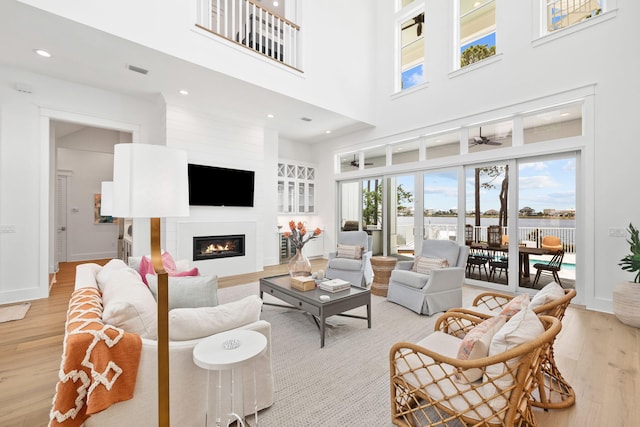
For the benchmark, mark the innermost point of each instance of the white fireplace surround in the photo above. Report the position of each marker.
(220, 266)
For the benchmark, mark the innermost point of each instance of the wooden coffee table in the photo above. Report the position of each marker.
(309, 301)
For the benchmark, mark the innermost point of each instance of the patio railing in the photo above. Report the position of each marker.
(529, 236)
(247, 24)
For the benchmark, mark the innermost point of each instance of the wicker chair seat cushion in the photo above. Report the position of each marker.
(549, 293)
(345, 264)
(437, 380)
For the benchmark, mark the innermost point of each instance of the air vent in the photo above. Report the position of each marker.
(137, 69)
(24, 88)
(306, 119)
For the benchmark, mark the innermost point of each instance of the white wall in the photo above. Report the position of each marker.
(26, 169)
(214, 142)
(525, 74)
(335, 64)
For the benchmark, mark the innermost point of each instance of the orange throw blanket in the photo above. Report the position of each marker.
(99, 362)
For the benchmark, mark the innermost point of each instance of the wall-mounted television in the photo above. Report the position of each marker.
(214, 186)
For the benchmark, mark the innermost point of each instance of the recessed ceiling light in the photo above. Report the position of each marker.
(276, 4)
(565, 114)
(42, 53)
(327, 131)
(270, 116)
(184, 92)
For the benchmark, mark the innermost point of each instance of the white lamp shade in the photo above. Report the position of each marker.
(149, 181)
(106, 198)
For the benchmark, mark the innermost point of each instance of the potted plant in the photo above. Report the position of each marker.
(626, 295)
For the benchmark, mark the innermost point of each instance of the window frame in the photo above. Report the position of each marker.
(609, 11)
(402, 15)
(457, 34)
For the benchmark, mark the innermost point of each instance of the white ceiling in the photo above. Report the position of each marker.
(91, 57)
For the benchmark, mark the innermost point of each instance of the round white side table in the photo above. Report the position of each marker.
(228, 353)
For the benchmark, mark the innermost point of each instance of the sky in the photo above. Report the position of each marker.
(549, 184)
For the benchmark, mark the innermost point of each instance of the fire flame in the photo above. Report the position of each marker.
(218, 248)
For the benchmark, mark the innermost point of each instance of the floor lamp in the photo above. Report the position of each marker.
(150, 181)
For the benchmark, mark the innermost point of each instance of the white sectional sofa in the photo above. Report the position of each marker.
(188, 382)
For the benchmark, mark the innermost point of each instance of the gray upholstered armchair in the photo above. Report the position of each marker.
(439, 290)
(356, 271)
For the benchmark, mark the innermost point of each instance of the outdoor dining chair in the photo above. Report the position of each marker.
(552, 266)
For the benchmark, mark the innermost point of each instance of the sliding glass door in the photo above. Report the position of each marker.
(487, 222)
(547, 223)
(440, 200)
(401, 208)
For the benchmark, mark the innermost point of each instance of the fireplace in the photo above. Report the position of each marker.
(214, 247)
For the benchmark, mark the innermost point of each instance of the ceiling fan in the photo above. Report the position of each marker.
(483, 140)
(418, 20)
(356, 163)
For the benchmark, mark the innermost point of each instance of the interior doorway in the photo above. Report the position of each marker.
(83, 160)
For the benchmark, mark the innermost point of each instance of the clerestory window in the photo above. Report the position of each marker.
(564, 13)
(477, 30)
(411, 28)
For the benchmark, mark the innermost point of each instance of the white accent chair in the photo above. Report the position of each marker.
(430, 293)
(356, 271)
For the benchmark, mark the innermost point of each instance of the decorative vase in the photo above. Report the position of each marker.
(299, 265)
(626, 303)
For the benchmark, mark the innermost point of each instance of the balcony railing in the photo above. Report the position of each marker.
(251, 26)
(563, 13)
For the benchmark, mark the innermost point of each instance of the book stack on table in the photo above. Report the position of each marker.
(334, 285)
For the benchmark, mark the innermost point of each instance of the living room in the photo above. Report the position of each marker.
(367, 106)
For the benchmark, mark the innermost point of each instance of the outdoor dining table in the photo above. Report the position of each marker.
(523, 252)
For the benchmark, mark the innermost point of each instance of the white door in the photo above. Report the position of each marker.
(61, 220)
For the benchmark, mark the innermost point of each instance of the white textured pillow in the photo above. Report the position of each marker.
(102, 277)
(129, 305)
(188, 291)
(193, 323)
(549, 293)
(524, 326)
(424, 264)
(349, 251)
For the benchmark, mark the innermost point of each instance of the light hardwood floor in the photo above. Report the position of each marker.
(599, 357)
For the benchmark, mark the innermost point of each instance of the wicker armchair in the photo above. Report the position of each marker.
(554, 392)
(425, 383)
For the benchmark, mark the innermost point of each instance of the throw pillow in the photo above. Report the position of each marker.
(515, 305)
(129, 305)
(169, 265)
(102, 277)
(524, 326)
(349, 251)
(424, 265)
(475, 345)
(188, 292)
(549, 293)
(193, 323)
(145, 268)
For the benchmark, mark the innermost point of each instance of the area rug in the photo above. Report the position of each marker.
(347, 381)
(14, 312)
